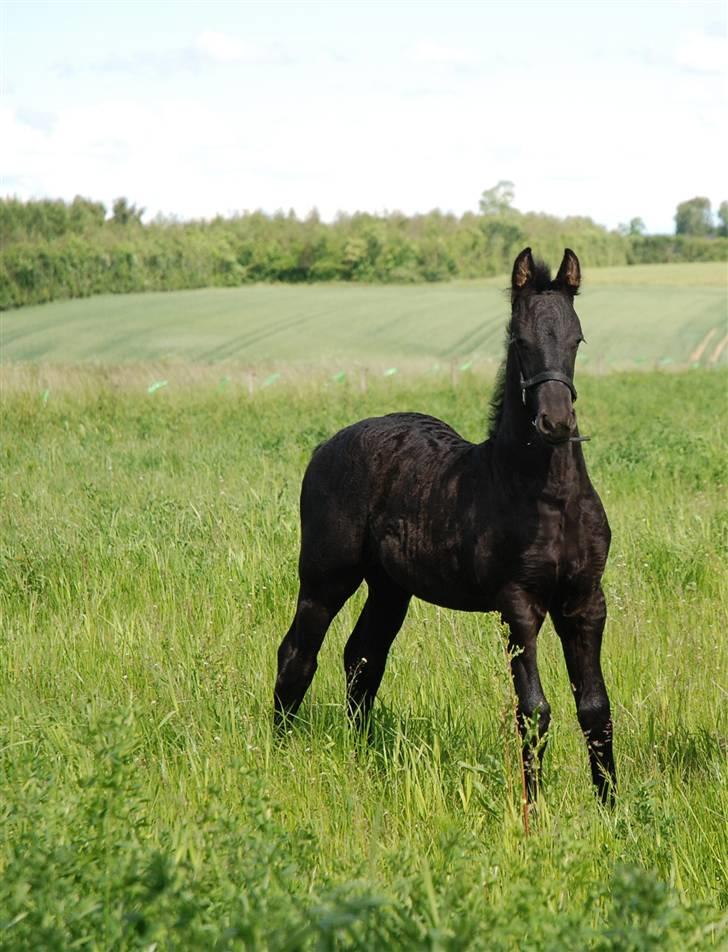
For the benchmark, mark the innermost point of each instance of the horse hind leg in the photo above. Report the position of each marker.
(298, 652)
(365, 654)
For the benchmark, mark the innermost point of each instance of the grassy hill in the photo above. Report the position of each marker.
(651, 314)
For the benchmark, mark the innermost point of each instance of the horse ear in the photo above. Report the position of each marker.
(523, 270)
(569, 277)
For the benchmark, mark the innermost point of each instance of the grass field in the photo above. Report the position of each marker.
(148, 545)
(652, 315)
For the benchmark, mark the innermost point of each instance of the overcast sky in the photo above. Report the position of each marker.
(607, 109)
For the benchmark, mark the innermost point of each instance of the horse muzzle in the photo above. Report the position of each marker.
(555, 431)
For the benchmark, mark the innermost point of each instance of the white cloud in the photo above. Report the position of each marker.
(703, 53)
(222, 48)
(428, 53)
(635, 143)
(209, 47)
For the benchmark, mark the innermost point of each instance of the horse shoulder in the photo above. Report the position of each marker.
(587, 538)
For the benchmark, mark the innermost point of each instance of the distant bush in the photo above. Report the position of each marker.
(33, 221)
(658, 249)
(51, 250)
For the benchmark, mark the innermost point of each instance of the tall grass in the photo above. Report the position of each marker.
(148, 549)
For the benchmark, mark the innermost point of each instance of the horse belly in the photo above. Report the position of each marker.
(441, 572)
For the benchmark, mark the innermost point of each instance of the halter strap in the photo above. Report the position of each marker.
(543, 377)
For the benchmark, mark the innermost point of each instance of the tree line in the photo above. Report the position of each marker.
(54, 249)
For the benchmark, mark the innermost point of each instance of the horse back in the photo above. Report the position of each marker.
(407, 494)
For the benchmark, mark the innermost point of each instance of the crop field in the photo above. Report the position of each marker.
(638, 317)
(148, 546)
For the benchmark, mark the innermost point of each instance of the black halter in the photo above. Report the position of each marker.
(543, 377)
(527, 383)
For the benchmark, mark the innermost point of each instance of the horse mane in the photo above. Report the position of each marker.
(540, 282)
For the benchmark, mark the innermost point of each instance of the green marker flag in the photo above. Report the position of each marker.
(224, 381)
(157, 385)
(390, 372)
(467, 365)
(269, 381)
(340, 377)
(44, 396)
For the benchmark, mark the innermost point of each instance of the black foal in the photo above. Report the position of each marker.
(511, 525)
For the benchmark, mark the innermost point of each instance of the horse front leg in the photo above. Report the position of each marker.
(524, 618)
(579, 622)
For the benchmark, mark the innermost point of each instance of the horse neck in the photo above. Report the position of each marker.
(521, 452)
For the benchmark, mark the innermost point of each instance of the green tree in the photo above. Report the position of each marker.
(125, 213)
(694, 217)
(497, 200)
(723, 219)
(85, 215)
(635, 227)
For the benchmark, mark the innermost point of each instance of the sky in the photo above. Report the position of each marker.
(613, 109)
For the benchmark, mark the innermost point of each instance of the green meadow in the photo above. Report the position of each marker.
(642, 316)
(148, 547)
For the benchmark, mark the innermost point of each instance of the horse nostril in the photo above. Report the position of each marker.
(546, 425)
(554, 431)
